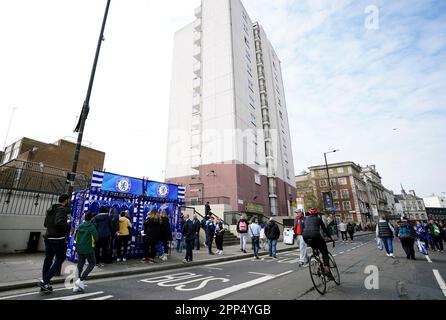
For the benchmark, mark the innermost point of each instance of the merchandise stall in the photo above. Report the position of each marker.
(120, 193)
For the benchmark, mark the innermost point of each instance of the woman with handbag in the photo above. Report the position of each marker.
(254, 232)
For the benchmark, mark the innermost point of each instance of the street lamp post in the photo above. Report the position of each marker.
(85, 108)
(328, 174)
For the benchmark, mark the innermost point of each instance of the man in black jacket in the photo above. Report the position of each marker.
(57, 224)
(272, 232)
(197, 232)
(189, 236)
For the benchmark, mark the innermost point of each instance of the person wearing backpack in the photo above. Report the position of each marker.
(210, 227)
(86, 237)
(437, 235)
(350, 229)
(406, 233)
(242, 229)
(57, 228)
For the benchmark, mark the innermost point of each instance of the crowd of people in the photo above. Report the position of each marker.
(427, 234)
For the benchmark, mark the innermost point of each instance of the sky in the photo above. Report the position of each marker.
(365, 77)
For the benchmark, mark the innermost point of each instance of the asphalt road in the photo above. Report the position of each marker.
(274, 279)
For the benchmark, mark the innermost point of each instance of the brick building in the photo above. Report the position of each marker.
(35, 165)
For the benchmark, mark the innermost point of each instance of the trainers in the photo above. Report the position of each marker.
(220, 252)
(45, 287)
(391, 255)
(124, 259)
(184, 261)
(80, 284)
(118, 260)
(244, 251)
(164, 258)
(257, 257)
(211, 253)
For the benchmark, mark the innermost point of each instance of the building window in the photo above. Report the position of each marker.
(347, 205)
(334, 194)
(257, 179)
(333, 182)
(248, 56)
(323, 183)
(251, 85)
(340, 170)
(345, 194)
(337, 205)
(246, 40)
(321, 173)
(342, 181)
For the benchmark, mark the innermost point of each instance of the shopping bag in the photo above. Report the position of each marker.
(379, 244)
(421, 247)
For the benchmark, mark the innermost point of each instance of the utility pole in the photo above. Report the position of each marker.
(85, 109)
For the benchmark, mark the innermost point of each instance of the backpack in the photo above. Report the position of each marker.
(243, 227)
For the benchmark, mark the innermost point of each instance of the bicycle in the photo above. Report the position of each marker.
(317, 274)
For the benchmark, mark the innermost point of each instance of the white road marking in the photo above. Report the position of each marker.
(241, 286)
(342, 252)
(440, 281)
(102, 298)
(227, 262)
(77, 296)
(428, 259)
(261, 274)
(31, 293)
(206, 267)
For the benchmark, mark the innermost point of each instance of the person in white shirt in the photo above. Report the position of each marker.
(343, 229)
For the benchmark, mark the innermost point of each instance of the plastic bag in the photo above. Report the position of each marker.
(379, 244)
(421, 247)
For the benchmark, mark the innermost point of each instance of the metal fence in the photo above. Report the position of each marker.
(212, 200)
(30, 176)
(22, 202)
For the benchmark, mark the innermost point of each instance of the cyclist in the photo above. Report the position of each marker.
(313, 238)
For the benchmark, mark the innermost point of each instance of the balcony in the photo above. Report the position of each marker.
(198, 12)
(197, 38)
(197, 53)
(197, 68)
(197, 25)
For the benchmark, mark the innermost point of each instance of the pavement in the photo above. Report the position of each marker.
(266, 279)
(19, 271)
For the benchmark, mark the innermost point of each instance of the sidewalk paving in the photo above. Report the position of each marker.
(18, 271)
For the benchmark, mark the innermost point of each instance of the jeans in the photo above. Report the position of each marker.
(211, 239)
(102, 246)
(197, 241)
(122, 241)
(243, 237)
(57, 249)
(189, 249)
(256, 245)
(351, 235)
(388, 244)
(272, 247)
(180, 245)
(302, 249)
(344, 235)
(81, 262)
(438, 242)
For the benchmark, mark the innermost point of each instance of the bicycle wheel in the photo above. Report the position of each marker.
(334, 270)
(316, 274)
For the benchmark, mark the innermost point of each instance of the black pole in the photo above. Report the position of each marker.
(329, 182)
(85, 108)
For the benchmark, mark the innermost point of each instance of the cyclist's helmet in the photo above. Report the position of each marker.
(313, 211)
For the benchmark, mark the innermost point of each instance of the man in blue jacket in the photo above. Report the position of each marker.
(104, 226)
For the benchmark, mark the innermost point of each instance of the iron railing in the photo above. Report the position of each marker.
(212, 200)
(22, 202)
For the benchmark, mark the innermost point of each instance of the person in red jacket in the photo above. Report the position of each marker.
(298, 228)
